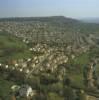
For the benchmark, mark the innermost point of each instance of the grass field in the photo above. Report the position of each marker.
(12, 48)
(5, 88)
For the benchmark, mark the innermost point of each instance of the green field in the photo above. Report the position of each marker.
(5, 88)
(12, 47)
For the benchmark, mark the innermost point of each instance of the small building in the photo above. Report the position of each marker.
(25, 91)
(0, 64)
(6, 66)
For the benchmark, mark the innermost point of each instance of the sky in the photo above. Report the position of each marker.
(34, 8)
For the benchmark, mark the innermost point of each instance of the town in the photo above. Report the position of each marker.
(43, 60)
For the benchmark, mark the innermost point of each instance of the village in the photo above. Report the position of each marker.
(45, 59)
(54, 63)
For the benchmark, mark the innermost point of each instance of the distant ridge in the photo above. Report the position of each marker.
(43, 19)
(91, 20)
(53, 29)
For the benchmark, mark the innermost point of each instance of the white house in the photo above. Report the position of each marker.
(27, 71)
(31, 49)
(0, 64)
(36, 61)
(24, 65)
(29, 59)
(21, 70)
(15, 88)
(26, 91)
(33, 65)
(6, 66)
(16, 65)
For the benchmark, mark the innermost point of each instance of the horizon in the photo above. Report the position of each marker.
(44, 8)
(83, 19)
(36, 17)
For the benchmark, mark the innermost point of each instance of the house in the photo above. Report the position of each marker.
(6, 66)
(21, 70)
(24, 65)
(23, 91)
(27, 71)
(15, 88)
(29, 59)
(0, 64)
(16, 65)
(31, 49)
(33, 65)
(26, 91)
(13, 68)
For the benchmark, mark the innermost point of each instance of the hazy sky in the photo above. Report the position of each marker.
(69, 8)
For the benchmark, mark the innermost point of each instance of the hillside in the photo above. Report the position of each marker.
(91, 20)
(12, 47)
(48, 54)
(60, 19)
(57, 29)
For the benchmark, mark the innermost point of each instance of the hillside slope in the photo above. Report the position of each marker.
(56, 29)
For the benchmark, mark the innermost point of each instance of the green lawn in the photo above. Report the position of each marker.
(82, 59)
(5, 88)
(12, 47)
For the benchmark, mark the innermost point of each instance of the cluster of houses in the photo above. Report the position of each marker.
(38, 31)
(44, 58)
(41, 32)
(29, 30)
(50, 59)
